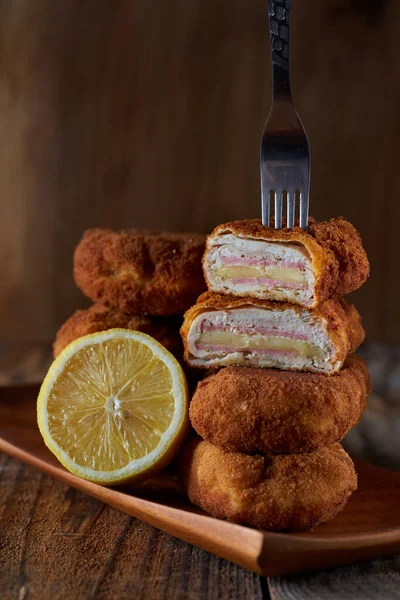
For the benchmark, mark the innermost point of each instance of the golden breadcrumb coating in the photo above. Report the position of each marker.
(343, 320)
(339, 260)
(141, 273)
(242, 409)
(100, 318)
(273, 492)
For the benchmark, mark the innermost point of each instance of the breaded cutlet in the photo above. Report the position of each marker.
(272, 492)
(264, 410)
(100, 318)
(306, 267)
(157, 274)
(223, 330)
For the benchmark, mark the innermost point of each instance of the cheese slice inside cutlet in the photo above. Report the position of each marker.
(261, 337)
(259, 269)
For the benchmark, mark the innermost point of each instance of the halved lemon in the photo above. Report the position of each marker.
(114, 407)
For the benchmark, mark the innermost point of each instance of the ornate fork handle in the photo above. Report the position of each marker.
(279, 18)
(279, 23)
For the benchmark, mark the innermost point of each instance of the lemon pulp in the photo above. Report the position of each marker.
(112, 403)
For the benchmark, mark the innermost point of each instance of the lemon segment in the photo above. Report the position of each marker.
(114, 407)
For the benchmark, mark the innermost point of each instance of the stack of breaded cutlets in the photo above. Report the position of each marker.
(290, 386)
(137, 280)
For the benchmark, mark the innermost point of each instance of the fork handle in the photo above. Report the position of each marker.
(279, 27)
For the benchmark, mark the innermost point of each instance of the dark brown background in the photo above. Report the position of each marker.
(148, 113)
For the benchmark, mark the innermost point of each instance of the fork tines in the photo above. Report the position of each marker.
(288, 200)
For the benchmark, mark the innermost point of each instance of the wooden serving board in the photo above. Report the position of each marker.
(368, 527)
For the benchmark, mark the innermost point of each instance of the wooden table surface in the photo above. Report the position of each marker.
(58, 543)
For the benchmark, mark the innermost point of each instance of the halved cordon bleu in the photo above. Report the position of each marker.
(306, 267)
(221, 330)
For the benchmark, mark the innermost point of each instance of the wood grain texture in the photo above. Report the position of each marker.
(375, 512)
(58, 543)
(145, 113)
(365, 581)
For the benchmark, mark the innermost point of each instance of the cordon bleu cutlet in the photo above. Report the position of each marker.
(271, 492)
(306, 267)
(100, 318)
(222, 331)
(280, 412)
(139, 272)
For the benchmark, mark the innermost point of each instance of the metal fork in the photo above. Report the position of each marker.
(285, 154)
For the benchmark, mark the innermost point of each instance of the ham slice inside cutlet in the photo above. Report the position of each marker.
(261, 337)
(260, 269)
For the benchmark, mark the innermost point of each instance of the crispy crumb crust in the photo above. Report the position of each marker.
(273, 492)
(140, 273)
(343, 322)
(100, 318)
(242, 409)
(339, 261)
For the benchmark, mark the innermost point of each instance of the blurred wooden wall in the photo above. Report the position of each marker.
(148, 113)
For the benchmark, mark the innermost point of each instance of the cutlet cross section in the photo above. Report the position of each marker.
(222, 331)
(247, 259)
